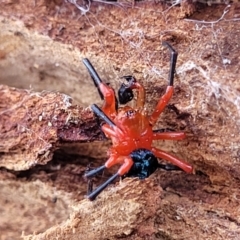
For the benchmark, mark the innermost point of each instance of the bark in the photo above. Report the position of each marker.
(33, 125)
(47, 136)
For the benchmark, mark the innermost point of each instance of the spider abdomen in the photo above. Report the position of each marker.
(145, 163)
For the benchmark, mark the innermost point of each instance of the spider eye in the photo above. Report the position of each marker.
(130, 113)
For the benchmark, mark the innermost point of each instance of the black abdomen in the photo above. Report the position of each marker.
(145, 163)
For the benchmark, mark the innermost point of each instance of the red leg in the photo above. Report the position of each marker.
(178, 162)
(106, 92)
(128, 162)
(168, 135)
(112, 131)
(109, 105)
(161, 105)
(109, 131)
(114, 159)
(169, 92)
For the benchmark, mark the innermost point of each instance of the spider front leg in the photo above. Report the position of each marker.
(107, 93)
(169, 91)
(176, 161)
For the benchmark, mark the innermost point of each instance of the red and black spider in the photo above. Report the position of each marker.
(130, 129)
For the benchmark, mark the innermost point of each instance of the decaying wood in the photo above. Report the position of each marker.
(30, 205)
(119, 40)
(32, 126)
(120, 211)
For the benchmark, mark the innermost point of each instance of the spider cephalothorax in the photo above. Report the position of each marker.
(131, 129)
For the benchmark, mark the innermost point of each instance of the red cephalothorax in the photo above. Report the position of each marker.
(131, 129)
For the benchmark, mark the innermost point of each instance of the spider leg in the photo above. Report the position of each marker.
(125, 93)
(127, 164)
(173, 62)
(168, 135)
(107, 93)
(98, 190)
(176, 161)
(169, 91)
(113, 159)
(111, 129)
(101, 114)
(94, 172)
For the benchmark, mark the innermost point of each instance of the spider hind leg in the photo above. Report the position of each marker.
(174, 160)
(126, 165)
(145, 164)
(92, 173)
(99, 189)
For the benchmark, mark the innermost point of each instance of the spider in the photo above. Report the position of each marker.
(131, 129)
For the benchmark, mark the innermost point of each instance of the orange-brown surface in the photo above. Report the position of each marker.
(123, 39)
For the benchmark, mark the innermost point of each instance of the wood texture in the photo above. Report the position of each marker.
(41, 46)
